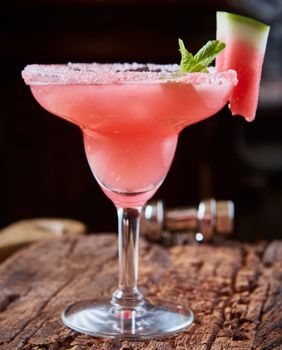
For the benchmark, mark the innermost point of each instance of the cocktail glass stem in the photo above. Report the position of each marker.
(127, 315)
(127, 295)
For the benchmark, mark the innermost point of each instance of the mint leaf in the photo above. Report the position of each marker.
(186, 58)
(203, 57)
(207, 54)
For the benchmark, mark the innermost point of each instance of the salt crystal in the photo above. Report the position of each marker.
(119, 73)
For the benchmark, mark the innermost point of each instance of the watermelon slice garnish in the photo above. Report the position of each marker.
(246, 41)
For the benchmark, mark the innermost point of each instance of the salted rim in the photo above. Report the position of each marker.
(119, 73)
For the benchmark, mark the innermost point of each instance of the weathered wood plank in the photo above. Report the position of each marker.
(233, 289)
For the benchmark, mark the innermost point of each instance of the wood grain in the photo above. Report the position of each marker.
(234, 290)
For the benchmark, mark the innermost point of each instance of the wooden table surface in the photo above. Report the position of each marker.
(233, 289)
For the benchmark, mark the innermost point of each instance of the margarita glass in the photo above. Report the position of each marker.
(130, 116)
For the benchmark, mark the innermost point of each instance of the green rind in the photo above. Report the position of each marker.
(243, 19)
(231, 26)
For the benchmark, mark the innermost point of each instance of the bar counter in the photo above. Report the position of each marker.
(234, 289)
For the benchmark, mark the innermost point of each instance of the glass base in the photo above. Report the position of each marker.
(102, 319)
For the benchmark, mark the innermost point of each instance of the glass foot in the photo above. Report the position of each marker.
(101, 319)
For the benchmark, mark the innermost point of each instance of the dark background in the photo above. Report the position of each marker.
(43, 167)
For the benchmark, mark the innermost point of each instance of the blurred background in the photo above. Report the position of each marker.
(44, 171)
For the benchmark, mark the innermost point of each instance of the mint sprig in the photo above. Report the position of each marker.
(203, 57)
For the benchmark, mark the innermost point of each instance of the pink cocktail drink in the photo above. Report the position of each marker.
(130, 118)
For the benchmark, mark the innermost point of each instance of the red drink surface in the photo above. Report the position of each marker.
(131, 121)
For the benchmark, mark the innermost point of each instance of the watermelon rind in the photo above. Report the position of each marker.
(244, 19)
(242, 28)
